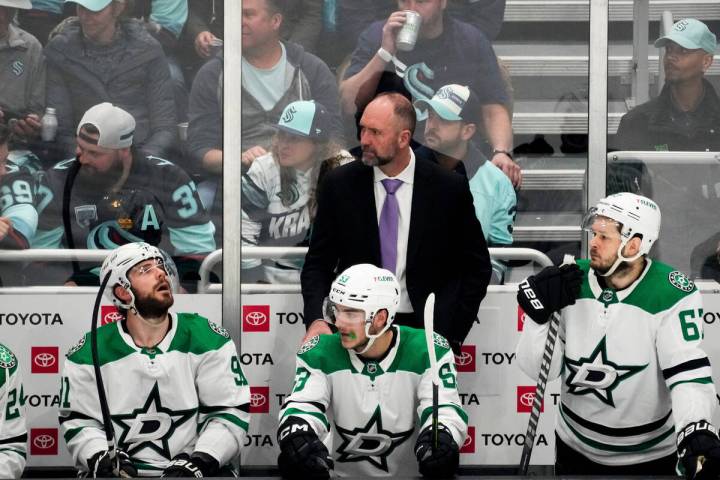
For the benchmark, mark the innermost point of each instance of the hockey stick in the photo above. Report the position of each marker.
(554, 325)
(107, 422)
(429, 320)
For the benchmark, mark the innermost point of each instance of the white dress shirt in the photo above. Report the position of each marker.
(404, 198)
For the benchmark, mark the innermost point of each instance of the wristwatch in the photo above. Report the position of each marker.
(384, 54)
(498, 150)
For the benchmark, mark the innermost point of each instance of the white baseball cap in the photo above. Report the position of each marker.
(116, 126)
(92, 5)
(23, 4)
(454, 103)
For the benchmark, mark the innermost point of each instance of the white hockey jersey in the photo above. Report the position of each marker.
(631, 366)
(376, 408)
(186, 394)
(13, 432)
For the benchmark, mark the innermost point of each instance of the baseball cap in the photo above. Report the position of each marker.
(24, 4)
(690, 33)
(116, 126)
(305, 118)
(454, 103)
(92, 5)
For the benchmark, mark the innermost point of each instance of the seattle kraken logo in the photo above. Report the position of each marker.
(289, 115)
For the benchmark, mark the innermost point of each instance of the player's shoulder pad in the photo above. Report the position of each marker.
(661, 289)
(583, 264)
(197, 334)
(8, 360)
(414, 338)
(324, 352)
(669, 279)
(78, 346)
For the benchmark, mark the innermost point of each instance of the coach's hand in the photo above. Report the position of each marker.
(551, 290)
(442, 462)
(699, 451)
(101, 465)
(302, 454)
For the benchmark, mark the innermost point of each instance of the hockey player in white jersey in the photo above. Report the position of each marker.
(372, 380)
(13, 432)
(636, 388)
(176, 394)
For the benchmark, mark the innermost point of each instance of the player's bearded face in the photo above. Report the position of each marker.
(604, 244)
(153, 292)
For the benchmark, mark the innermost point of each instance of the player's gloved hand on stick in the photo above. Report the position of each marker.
(441, 463)
(699, 451)
(197, 465)
(551, 290)
(101, 465)
(302, 454)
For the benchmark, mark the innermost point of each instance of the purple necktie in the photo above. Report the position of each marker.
(388, 226)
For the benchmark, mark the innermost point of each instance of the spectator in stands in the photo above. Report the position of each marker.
(98, 57)
(22, 79)
(112, 194)
(447, 51)
(278, 190)
(276, 73)
(44, 16)
(204, 135)
(204, 27)
(18, 217)
(303, 23)
(405, 214)
(686, 114)
(449, 129)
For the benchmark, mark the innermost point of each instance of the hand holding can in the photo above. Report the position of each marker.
(408, 34)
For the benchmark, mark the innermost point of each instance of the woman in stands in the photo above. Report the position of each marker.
(278, 189)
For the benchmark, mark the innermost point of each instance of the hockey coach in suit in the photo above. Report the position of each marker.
(403, 214)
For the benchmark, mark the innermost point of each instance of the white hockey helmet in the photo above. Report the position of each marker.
(122, 259)
(635, 215)
(368, 288)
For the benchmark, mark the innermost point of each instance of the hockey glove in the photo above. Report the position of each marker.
(101, 465)
(441, 463)
(699, 451)
(198, 465)
(302, 454)
(551, 290)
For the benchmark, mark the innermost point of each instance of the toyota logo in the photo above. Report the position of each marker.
(527, 399)
(44, 441)
(257, 400)
(465, 358)
(44, 360)
(468, 441)
(255, 318)
(113, 316)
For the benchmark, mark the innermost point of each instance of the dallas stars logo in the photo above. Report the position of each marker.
(370, 443)
(597, 375)
(150, 426)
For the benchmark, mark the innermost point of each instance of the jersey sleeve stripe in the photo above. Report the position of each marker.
(70, 434)
(298, 412)
(220, 408)
(19, 452)
(428, 411)
(704, 380)
(614, 431)
(317, 405)
(74, 416)
(18, 439)
(224, 416)
(685, 367)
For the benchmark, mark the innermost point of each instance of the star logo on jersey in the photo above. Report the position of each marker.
(150, 426)
(597, 375)
(370, 443)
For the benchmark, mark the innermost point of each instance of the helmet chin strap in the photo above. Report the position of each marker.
(371, 338)
(620, 259)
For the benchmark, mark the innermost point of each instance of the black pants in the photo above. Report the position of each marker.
(570, 462)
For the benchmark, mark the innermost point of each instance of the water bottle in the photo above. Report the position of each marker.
(49, 125)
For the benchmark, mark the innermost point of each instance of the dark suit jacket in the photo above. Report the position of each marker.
(446, 253)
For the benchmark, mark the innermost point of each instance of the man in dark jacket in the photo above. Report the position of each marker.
(275, 74)
(686, 114)
(98, 58)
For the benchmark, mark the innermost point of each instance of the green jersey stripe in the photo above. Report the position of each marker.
(297, 411)
(428, 411)
(704, 380)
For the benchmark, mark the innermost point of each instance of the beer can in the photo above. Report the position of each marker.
(408, 34)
